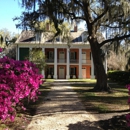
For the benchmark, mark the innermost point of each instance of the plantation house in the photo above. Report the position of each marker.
(63, 60)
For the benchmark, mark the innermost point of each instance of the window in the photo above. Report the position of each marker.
(51, 70)
(72, 55)
(51, 55)
(73, 71)
(57, 39)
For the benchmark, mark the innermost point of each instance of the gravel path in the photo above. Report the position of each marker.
(62, 110)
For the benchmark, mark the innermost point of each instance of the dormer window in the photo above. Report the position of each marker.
(57, 39)
(78, 39)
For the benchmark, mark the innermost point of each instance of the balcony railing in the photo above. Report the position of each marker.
(49, 60)
(61, 60)
(74, 61)
(84, 61)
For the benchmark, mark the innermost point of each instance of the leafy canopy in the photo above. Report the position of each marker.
(111, 17)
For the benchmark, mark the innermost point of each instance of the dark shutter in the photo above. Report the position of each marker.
(75, 71)
(23, 53)
(75, 55)
(47, 55)
(90, 55)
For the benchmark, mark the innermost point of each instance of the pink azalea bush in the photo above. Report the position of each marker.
(128, 115)
(1, 49)
(18, 80)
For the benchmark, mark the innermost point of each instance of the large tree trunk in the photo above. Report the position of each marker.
(101, 84)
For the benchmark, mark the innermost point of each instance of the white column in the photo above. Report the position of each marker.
(55, 64)
(68, 64)
(92, 68)
(43, 71)
(30, 49)
(80, 63)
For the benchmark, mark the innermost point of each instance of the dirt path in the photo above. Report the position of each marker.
(62, 110)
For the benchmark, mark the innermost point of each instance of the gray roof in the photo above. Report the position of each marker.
(30, 37)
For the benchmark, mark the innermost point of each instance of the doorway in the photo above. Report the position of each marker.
(84, 73)
(61, 72)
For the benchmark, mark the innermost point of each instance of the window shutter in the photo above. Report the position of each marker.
(75, 55)
(75, 71)
(23, 53)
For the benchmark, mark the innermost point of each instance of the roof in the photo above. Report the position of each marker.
(47, 37)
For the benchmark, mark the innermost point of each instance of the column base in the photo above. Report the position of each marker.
(43, 74)
(67, 76)
(92, 77)
(80, 77)
(55, 76)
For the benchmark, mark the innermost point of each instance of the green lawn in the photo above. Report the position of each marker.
(102, 101)
(83, 80)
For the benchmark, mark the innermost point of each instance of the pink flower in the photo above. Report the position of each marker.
(1, 50)
(18, 80)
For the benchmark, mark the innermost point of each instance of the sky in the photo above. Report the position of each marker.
(8, 10)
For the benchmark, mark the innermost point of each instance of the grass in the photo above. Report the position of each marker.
(49, 80)
(102, 102)
(83, 80)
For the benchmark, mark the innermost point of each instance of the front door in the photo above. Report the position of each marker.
(61, 72)
(84, 73)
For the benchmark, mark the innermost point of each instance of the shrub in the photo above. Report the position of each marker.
(1, 50)
(19, 80)
(128, 115)
(119, 76)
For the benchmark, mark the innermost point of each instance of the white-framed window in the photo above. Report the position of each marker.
(51, 55)
(61, 52)
(72, 55)
(73, 71)
(51, 70)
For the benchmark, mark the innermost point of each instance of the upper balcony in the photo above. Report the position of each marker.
(49, 60)
(71, 61)
(74, 61)
(84, 61)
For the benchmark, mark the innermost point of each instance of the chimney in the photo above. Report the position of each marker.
(75, 28)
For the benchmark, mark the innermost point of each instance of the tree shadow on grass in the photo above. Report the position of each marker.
(114, 123)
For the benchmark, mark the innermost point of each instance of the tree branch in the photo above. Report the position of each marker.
(94, 11)
(78, 3)
(113, 39)
(101, 15)
(111, 26)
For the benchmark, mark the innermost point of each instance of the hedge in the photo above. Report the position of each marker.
(119, 76)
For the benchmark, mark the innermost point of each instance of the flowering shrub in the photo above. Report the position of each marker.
(128, 115)
(1, 50)
(18, 80)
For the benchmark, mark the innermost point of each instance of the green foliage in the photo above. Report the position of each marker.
(37, 57)
(119, 76)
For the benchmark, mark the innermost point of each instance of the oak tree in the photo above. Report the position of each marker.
(111, 17)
